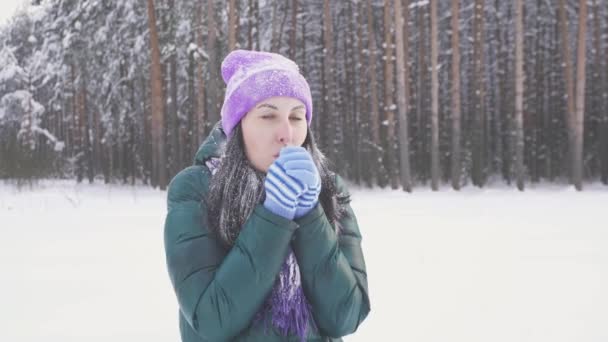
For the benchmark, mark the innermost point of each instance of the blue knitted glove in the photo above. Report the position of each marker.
(308, 201)
(303, 170)
(292, 183)
(282, 191)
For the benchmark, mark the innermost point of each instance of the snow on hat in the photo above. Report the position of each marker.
(252, 76)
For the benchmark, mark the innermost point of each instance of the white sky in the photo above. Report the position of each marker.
(8, 7)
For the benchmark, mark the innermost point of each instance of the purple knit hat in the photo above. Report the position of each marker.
(252, 76)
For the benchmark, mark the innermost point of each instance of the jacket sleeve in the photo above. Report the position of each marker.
(219, 291)
(333, 270)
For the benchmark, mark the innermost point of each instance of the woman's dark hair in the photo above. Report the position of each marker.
(236, 188)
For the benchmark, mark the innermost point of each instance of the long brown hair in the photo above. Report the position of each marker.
(236, 188)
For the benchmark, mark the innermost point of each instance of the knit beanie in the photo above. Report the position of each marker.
(252, 76)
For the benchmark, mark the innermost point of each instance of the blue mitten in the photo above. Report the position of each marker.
(282, 191)
(303, 170)
(292, 183)
(308, 201)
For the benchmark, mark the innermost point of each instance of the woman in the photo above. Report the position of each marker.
(260, 240)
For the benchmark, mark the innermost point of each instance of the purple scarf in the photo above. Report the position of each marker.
(286, 306)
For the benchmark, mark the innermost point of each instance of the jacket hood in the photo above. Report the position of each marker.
(210, 148)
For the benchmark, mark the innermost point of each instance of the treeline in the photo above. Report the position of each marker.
(406, 93)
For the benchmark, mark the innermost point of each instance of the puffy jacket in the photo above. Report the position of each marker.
(219, 290)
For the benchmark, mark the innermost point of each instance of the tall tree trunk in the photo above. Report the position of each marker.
(294, 29)
(303, 64)
(347, 103)
(389, 105)
(351, 63)
(198, 130)
(231, 25)
(96, 138)
(599, 88)
(563, 19)
(547, 114)
(192, 129)
(213, 83)
(363, 99)
(456, 141)
(496, 152)
(77, 128)
(120, 152)
(519, 93)
(420, 138)
(434, 100)
(275, 27)
(353, 67)
(97, 156)
(84, 128)
(603, 150)
(374, 110)
(133, 153)
(253, 27)
(402, 37)
(173, 110)
(110, 158)
(479, 142)
(174, 119)
(329, 80)
(158, 142)
(593, 103)
(62, 125)
(146, 141)
(281, 30)
(552, 131)
(536, 115)
(87, 126)
(580, 96)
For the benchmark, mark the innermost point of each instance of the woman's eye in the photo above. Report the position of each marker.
(267, 116)
(296, 118)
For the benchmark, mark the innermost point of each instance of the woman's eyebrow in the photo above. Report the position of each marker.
(275, 107)
(267, 105)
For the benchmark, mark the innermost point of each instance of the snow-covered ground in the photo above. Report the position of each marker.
(86, 263)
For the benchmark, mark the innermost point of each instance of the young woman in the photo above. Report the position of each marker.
(260, 240)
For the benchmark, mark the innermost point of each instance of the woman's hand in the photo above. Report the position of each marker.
(302, 169)
(292, 183)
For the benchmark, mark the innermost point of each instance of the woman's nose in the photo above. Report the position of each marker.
(285, 132)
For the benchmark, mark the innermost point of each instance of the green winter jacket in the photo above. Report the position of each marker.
(219, 290)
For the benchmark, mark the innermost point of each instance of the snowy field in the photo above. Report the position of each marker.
(86, 263)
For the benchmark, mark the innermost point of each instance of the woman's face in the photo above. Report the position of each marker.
(271, 125)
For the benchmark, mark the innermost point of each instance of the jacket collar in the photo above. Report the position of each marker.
(210, 148)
